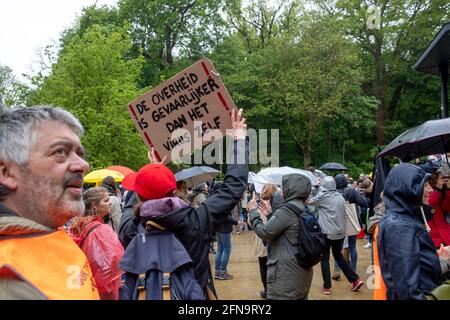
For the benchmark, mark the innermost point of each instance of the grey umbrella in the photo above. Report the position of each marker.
(196, 175)
(431, 137)
(332, 166)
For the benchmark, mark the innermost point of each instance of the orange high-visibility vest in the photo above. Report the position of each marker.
(379, 290)
(50, 262)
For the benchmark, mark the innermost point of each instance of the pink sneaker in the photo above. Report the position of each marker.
(357, 284)
(326, 291)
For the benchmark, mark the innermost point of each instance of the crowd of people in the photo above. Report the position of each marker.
(154, 241)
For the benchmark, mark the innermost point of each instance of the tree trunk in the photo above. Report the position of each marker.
(168, 45)
(306, 156)
(381, 138)
(343, 152)
(329, 142)
(391, 111)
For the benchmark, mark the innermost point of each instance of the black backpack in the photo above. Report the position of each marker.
(311, 240)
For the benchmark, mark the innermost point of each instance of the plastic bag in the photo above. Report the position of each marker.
(104, 252)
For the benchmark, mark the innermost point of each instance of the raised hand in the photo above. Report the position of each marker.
(265, 207)
(153, 158)
(238, 125)
(252, 204)
(444, 253)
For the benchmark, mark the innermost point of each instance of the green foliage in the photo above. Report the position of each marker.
(159, 28)
(312, 78)
(94, 81)
(313, 70)
(390, 49)
(12, 92)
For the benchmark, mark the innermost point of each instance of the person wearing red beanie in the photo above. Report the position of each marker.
(153, 181)
(155, 187)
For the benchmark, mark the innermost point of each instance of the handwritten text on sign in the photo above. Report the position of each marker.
(184, 107)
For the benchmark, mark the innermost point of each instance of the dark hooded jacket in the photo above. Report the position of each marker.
(227, 226)
(276, 201)
(128, 222)
(286, 280)
(193, 226)
(408, 260)
(353, 199)
(349, 194)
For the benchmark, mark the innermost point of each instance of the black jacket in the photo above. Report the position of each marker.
(409, 264)
(349, 194)
(193, 226)
(128, 222)
(225, 227)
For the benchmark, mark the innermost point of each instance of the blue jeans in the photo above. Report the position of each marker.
(223, 251)
(353, 254)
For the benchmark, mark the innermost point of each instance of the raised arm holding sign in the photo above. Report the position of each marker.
(174, 117)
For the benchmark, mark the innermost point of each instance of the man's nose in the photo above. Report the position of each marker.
(79, 165)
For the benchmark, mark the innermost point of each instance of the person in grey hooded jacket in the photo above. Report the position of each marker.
(286, 280)
(332, 221)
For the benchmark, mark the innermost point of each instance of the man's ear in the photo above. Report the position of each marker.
(9, 175)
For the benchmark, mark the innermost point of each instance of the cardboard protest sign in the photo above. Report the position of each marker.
(182, 109)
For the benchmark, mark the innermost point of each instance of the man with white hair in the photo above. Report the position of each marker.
(41, 184)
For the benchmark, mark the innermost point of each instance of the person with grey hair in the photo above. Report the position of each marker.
(331, 206)
(41, 185)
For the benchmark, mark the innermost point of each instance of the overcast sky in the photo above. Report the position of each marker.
(28, 25)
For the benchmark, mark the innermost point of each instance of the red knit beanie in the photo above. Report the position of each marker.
(153, 181)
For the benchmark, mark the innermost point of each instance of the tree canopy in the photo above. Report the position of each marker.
(334, 76)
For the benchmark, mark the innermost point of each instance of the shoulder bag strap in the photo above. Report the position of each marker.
(90, 230)
(284, 239)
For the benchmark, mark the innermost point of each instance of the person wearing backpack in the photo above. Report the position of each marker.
(157, 265)
(332, 221)
(193, 226)
(286, 279)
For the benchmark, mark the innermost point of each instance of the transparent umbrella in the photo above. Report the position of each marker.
(275, 175)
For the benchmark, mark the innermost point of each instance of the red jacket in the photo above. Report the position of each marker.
(440, 229)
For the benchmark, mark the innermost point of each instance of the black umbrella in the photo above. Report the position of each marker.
(431, 137)
(333, 166)
(196, 175)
